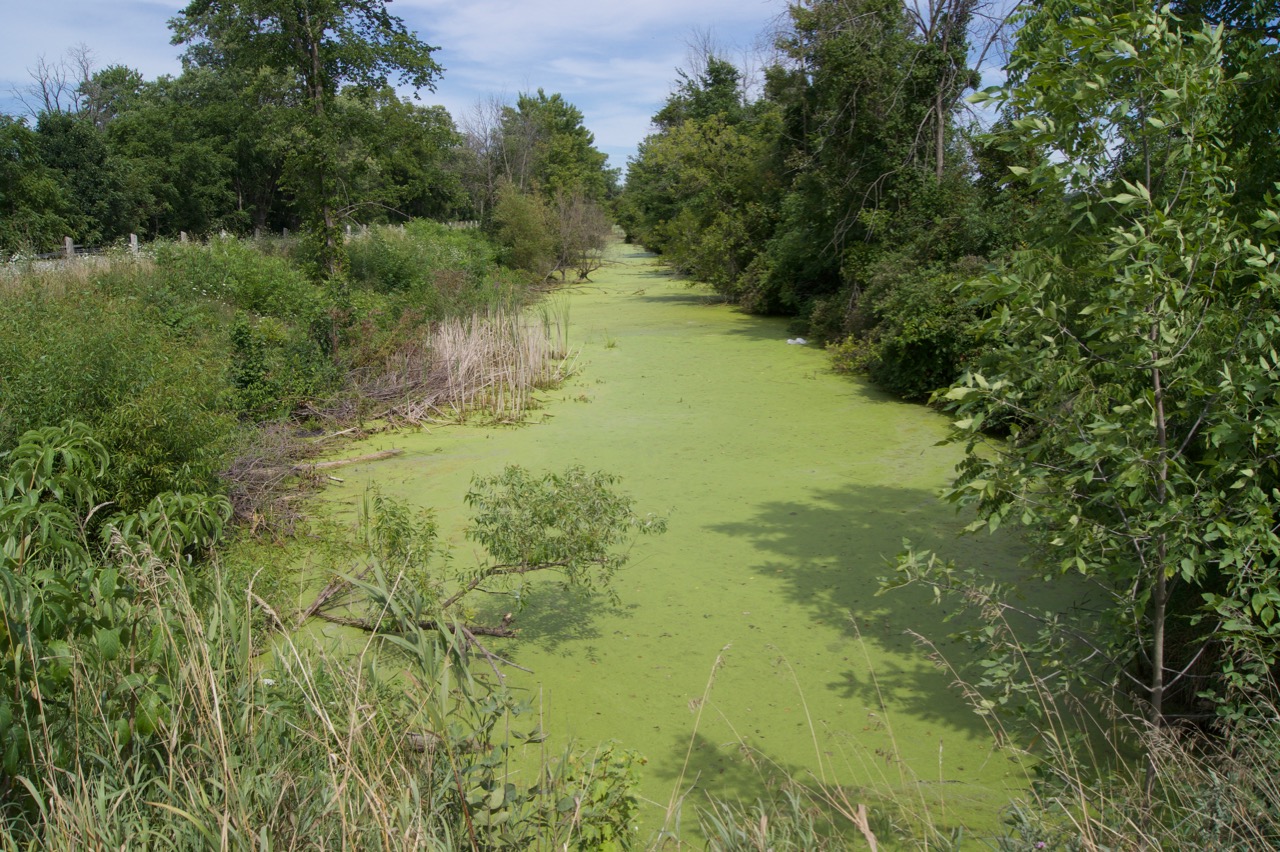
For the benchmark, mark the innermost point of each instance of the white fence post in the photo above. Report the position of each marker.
(69, 246)
(133, 243)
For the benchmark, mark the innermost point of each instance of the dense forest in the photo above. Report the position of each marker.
(1077, 265)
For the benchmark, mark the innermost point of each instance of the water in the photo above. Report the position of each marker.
(787, 488)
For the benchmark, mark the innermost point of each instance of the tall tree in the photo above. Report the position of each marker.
(547, 148)
(1134, 356)
(313, 48)
(35, 208)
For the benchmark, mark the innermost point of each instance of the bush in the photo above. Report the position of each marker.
(155, 398)
(523, 229)
(923, 335)
(235, 272)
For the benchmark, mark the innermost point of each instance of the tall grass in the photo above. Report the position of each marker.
(298, 748)
(494, 363)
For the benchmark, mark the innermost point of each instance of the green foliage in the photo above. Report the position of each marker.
(426, 260)
(308, 58)
(573, 524)
(154, 397)
(922, 335)
(1131, 344)
(121, 676)
(714, 91)
(235, 272)
(570, 522)
(555, 151)
(523, 228)
(845, 195)
(99, 188)
(35, 210)
(66, 597)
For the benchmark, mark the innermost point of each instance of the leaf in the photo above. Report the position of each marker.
(108, 641)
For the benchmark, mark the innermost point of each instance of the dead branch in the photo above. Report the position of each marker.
(368, 457)
(375, 625)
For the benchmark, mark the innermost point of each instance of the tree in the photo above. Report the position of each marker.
(582, 231)
(573, 524)
(1134, 362)
(108, 204)
(35, 210)
(311, 48)
(398, 159)
(546, 148)
(715, 90)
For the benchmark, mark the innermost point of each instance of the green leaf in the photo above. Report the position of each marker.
(108, 641)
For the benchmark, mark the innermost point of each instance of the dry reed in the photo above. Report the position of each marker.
(490, 364)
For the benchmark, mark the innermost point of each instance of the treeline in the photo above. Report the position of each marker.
(858, 190)
(851, 194)
(243, 142)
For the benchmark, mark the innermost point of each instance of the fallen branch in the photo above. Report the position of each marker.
(336, 585)
(374, 626)
(326, 465)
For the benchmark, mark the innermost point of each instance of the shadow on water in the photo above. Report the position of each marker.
(689, 297)
(827, 553)
(662, 273)
(734, 771)
(553, 619)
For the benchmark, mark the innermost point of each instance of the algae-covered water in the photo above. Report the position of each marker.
(786, 487)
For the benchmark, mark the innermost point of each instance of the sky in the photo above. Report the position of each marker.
(614, 60)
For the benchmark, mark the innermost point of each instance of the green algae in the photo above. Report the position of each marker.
(787, 488)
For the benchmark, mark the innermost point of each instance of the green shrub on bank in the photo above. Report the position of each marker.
(235, 272)
(155, 397)
(129, 681)
(913, 333)
(430, 268)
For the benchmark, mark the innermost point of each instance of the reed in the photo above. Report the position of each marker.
(490, 364)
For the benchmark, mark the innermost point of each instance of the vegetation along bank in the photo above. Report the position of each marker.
(1087, 287)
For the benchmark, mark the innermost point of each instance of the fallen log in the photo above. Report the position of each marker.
(326, 465)
(372, 626)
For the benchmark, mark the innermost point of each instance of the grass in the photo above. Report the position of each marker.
(298, 748)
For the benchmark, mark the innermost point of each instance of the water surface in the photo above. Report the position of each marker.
(786, 487)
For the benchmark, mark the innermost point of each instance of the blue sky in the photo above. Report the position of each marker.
(614, 60)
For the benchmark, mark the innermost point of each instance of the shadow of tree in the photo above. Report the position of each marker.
(826, 554)
(733, 771)
(553, 618)
(688, 297)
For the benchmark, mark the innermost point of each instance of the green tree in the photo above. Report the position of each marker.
(108, 203)
(1134, 361)
(35, 208)
(715, 90)
(547, 149)
(309, 49)
(524, 227)
(399, 160)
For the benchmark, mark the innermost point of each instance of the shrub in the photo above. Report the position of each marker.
(155, 398)
(235, 272)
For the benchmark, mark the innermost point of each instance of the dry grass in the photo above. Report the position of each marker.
(489, 364)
